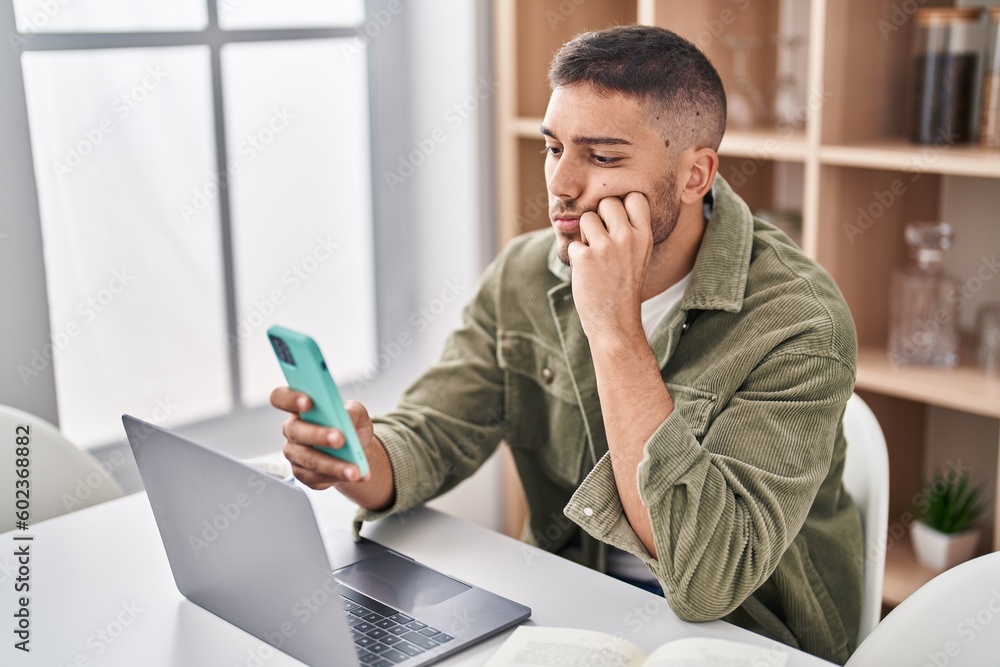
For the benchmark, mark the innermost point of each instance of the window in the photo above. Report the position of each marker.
(203, 172)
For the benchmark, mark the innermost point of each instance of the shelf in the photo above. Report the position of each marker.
(764, 145)
(836, 172)
(901, 155)
(965, 388)
(903, 574)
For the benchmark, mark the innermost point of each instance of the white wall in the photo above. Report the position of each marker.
(24, 316)
(444, 211)
(442, 207)
(447, 194)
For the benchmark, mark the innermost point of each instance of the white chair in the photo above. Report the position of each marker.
(866, 476)
(954, 620)
(61, 476)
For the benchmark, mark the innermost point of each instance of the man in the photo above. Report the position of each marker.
(669, 373)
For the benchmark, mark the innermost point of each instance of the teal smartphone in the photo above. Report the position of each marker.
(306, 371)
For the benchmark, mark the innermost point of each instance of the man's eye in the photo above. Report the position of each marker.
(551, 150)
(604, 160)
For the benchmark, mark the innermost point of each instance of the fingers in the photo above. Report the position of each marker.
(289, 400)
(615, 218)
(612, 212)
(316, 469)
(574, 250)
(306, 433)
(592, 228)
(637, 211)
(358, 413)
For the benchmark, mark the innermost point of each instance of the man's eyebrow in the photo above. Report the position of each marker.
(591, 141)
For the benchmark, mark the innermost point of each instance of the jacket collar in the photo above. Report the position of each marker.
(719, 277)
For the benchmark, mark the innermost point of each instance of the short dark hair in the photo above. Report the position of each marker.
(660, 68)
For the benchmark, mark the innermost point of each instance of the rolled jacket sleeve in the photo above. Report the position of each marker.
(451, 419)
(724, 510)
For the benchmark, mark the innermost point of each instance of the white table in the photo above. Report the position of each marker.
(102, 592)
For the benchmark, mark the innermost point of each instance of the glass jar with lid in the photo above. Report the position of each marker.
(989, 132)
(945, 56)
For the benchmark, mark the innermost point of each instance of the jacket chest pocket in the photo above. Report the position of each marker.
(544, 421)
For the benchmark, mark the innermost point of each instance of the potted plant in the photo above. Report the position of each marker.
(943, 536)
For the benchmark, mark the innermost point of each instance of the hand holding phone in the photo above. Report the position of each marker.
(306, 371)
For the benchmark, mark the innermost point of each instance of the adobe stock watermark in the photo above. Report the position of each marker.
(293, 278)
(927, 329)
(428, 488)
(424, 148)
(546, 538)
(372, 27)
(36, 23)
(968, 629)
(99, 641)
(899, 16)
(532, 208)
(256, 657)
(468, 448)
(85, 487)
(419, 321)
(88, 310)
(637, 618)
(712, 29)
(875, 549)
(8, 569)
(228, 6)
(307, 607)
(228, 513)
(562, 12)
(121, 108)
(247, 151)
(739, 174)
(883, 200)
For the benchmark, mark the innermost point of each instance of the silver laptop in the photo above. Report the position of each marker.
(246, 547)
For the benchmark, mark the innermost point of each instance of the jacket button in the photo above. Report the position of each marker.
(547, 375)
(587, 511)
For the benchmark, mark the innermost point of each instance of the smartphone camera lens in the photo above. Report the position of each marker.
(281, 349)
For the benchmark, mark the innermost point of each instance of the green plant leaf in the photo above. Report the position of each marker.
(952, 503)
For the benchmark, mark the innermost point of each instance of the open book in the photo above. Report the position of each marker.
(566, 647)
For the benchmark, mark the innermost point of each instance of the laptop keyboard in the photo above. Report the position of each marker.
(384, 636)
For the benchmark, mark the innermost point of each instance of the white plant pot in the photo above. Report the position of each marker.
(939, 551)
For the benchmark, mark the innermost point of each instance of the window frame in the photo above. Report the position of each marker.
(388, 95)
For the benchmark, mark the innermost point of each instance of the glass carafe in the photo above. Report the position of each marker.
(923, 324)
(745, 102)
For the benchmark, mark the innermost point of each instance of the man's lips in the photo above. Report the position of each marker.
(567, 224)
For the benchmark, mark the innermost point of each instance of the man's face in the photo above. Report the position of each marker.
(599, 146)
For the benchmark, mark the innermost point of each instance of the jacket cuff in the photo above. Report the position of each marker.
(596, 506)
(409, 491)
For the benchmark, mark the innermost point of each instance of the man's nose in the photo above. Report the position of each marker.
(565, 180)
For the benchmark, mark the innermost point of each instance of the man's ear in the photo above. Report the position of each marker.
(698, 173)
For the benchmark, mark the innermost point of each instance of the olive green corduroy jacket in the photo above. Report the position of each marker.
(743, 480)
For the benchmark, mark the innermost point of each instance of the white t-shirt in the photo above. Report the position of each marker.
(655, 308)
(654, 312)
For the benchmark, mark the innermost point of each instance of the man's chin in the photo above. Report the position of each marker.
(562, 252)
